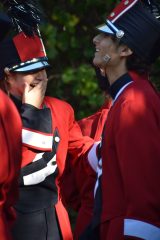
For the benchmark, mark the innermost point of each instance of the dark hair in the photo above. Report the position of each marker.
(134, 62)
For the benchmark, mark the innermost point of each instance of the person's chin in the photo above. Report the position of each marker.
(96, 63)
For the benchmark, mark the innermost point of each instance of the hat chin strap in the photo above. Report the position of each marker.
(106, 59)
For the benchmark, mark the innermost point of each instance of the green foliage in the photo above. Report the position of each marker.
(81, 83)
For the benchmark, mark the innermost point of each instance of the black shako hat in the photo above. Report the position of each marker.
(133, 23)
(5, 25)
(24, 52)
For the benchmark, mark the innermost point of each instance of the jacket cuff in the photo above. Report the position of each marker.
(93, 156)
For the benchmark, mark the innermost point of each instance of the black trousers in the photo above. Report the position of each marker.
(38, 225)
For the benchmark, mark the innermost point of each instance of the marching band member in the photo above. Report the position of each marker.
(127, 198)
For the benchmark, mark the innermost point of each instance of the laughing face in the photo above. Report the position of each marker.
(105, 47)
(17, 80)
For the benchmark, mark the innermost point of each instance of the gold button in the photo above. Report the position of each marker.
(119, 34)
(126, 2)
(112, 14)
(57, 139)
(100, 163)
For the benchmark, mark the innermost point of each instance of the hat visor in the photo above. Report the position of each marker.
(32, 67)
(104, 28)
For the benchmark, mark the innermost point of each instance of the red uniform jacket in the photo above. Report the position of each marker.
(131, 163)
(80, 196)
(10, 155)
(71, 139)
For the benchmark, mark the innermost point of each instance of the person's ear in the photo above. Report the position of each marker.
(6, 71)
(7, 79)
(125, 51)
(8, 75)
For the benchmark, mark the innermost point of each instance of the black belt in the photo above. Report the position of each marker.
(35, 198)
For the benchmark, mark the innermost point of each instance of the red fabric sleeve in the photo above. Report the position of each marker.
(10, 155)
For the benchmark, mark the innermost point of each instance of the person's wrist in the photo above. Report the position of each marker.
(34, 104)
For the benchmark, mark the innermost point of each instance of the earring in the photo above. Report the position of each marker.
(106, 58)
